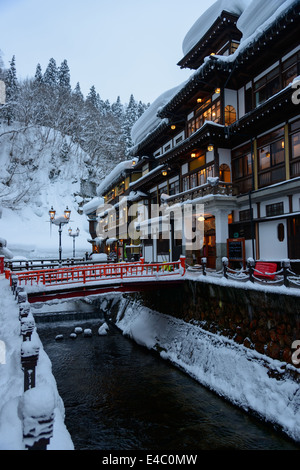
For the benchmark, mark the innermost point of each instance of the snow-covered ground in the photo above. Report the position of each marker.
(231, 370)
(35, 176)
(12, 380)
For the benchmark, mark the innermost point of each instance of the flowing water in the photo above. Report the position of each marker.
(120, 396)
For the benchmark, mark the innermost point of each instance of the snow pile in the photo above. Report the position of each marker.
(103, 329)
(12, 380)
(231, 370)
(206, 20)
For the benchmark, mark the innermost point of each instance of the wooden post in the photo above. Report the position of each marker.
(285, 266)
(204, 262)
(37, 408)
(29, 358)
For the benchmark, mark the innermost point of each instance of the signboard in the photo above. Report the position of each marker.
(236, 250)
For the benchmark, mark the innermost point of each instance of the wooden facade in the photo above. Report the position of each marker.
(230, 140)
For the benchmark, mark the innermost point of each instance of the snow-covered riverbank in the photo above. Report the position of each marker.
(12, 380)
(231, 370)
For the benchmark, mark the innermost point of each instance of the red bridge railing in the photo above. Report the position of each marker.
(85, 274)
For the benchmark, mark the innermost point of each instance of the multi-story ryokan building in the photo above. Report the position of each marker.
(228, 138)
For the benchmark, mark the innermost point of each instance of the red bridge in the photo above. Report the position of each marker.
(78, 281)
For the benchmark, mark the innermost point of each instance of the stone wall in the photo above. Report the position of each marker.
(263, 321)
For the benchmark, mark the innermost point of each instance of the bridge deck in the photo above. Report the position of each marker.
(78, 281)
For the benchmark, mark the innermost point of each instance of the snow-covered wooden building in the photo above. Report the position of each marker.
(227, 139)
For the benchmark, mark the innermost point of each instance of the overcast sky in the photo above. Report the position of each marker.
(120, 46)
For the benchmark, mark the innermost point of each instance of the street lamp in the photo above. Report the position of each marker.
(59, 221)
(74, 235)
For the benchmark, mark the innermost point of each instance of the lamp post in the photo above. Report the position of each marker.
(74, 235)
(59, 221)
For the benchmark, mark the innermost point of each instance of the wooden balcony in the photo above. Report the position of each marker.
(219, 188)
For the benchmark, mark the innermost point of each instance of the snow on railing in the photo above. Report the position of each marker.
(85, 274)
(265, 273)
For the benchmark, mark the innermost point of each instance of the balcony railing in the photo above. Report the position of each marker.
(215, 188)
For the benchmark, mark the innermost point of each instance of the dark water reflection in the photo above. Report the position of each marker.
(119, 396)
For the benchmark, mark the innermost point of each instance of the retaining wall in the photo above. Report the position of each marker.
(267, 322)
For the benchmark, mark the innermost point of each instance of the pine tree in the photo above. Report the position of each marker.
(38, 78)
(92, 98)
(11, 84)
(77, 92)
(131, 115)
(118, 110)
(51, 74)
(64, 77)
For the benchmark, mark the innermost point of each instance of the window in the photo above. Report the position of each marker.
(267, 86)
(295, 148)
(174, 188)
(224, 173)
(245, 215)
(274, 209)
(242, 164)
(186, 183)
(271, 156)
(290, 69)
(197, 162)
(248, 100)
(206, 112)
(230, 115)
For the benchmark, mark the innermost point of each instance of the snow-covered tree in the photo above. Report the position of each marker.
(92, 98)
(12, 89)
(64, 77)
(77, 93)
(51, 73)
(131, 115)
(38, 78)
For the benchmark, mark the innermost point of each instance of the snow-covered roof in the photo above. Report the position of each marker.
(206, 20)
(93, 205)
(259, 15)
(149, 121)
(255, 17)
(115, 174)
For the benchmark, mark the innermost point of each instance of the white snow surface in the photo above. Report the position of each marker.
(231, 370)
(206, 20)
(26, 225)
(12, 382)
(259, 14)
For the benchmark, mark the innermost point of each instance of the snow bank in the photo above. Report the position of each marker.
(231, 370)
(12, 380)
